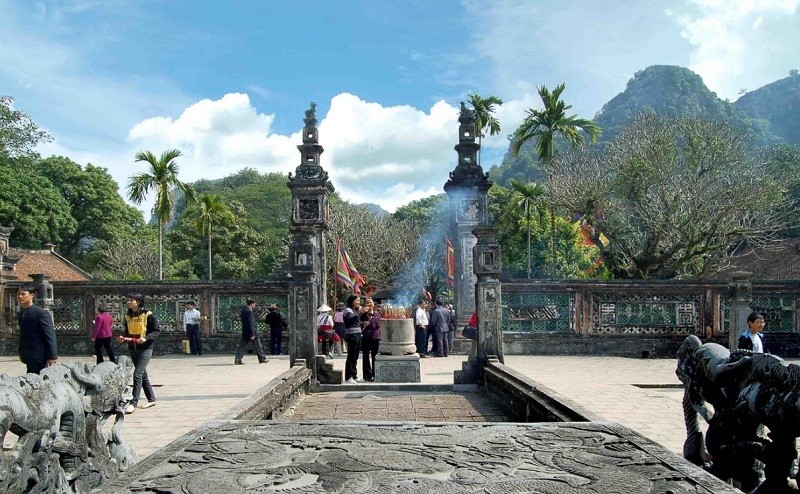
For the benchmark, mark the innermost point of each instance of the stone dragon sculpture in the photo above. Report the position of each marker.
(738, 394)
(58, 418)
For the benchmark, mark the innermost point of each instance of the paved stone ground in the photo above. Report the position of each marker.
(401, 406)
(191, 390)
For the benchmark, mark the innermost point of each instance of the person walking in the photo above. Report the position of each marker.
(276, 324)
(452, 321)
(249, 334)
(352, 324)
(140, 332)
(37, 339)
(325, 332)
(191, 324)
(370, 338)
(101, 334)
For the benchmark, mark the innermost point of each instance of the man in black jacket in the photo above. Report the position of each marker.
(37, 338)
(276, 324)
(249, 333)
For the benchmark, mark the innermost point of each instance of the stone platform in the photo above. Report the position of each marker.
(230, 457)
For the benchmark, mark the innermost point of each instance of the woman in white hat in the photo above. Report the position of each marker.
(325, 330)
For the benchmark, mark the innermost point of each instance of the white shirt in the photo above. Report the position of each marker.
(191, 317)
(421, 317)
(758, 347)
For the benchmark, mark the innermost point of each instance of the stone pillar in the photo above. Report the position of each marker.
(310, 192)
(467, 192)
(740, 294)
(488, 301)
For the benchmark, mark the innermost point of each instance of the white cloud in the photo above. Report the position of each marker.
(726, 36)
(385, 155)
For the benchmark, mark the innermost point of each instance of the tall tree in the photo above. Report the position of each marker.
(544, 125)
(19, 134)
(528, 198)
(484, 120)
(669, 197)
(213, 210)
(162, 177)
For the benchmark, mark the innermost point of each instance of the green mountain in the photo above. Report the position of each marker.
(676, 91)
(777, 103)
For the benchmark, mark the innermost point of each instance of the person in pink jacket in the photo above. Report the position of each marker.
(101, 335)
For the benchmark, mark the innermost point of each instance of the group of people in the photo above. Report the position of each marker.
(277, 324)
(359, 327)
(435, 325)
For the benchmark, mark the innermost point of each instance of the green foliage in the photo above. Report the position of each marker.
(265, 209)
(34, 205)
(573, 258)
(19, 135)
(99, 211)
(236, 250)
(422, 210)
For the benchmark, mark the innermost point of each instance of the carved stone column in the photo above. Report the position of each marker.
(740, 292)
(467, 192)
(310, 191)
(488, 301)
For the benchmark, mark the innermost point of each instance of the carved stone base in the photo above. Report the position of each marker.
(245, 457)
(397, 369)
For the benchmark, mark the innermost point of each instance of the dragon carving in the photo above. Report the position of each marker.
(58, 418)
(741, 395)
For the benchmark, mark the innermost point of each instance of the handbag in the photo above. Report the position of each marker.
(470, 332)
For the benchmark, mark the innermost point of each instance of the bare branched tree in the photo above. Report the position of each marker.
(133, 259)
(670, 197)
(378, 245)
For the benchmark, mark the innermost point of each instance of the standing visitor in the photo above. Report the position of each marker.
(338, 327)
(451, 324)
(37, 338)
(325, 330)
(191, 324)
(752, 338)
(439, 327)
(101, 334)
(370, 338)
(141, 330)
(352, 324)
(249, 334)
(276, 324)
(420, 317)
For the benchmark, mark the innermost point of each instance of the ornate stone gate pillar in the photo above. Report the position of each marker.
(310, 191)
(467, 192)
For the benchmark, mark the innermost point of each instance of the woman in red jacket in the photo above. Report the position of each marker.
(101, 335)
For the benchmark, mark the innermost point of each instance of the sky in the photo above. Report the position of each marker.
(227, 82)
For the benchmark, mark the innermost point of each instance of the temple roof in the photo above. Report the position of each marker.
(779, 261)
(47, 262)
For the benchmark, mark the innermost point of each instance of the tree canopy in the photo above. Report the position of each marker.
(19, 134)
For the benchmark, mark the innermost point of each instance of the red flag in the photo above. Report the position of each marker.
(450, 262)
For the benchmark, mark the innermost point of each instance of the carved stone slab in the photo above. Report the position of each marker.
(397, 369)
(245, 457)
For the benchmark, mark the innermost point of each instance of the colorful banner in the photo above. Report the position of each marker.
(450, 262)
(346, 272)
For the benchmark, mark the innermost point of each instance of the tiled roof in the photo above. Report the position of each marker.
(46, 262)
(780, 261)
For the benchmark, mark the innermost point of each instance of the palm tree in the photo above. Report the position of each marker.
(484, 120)
(526, 197)
(163, 178)
(544, 125)
(213, 210)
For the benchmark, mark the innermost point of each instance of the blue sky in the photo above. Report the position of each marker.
(227, 82)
